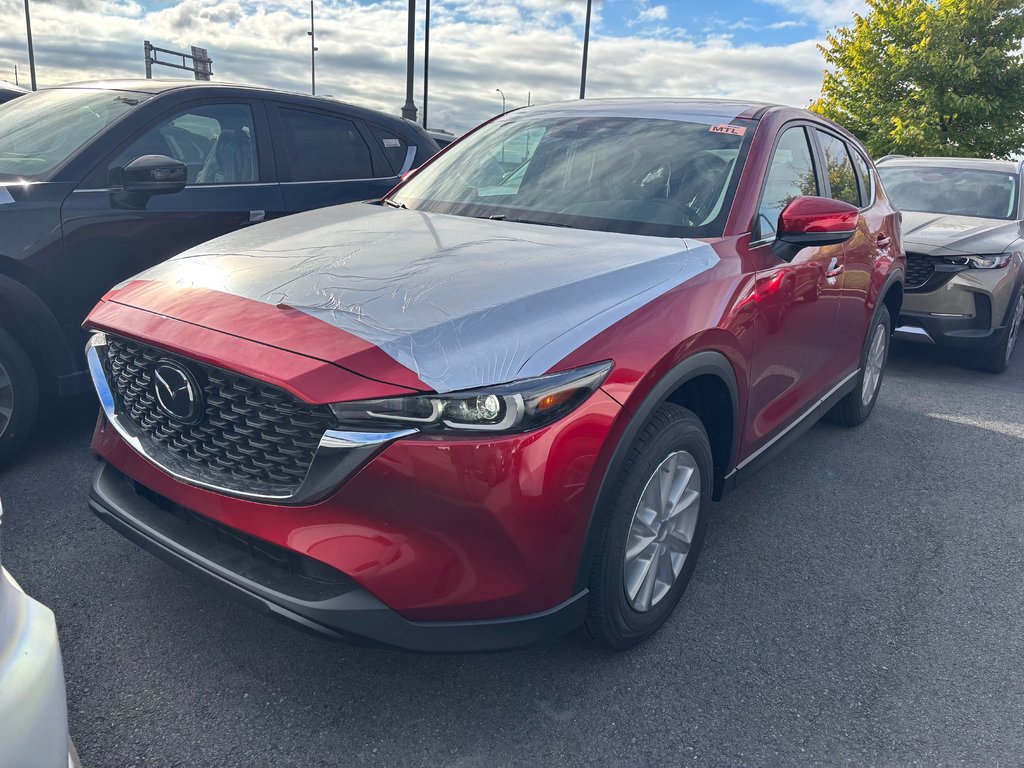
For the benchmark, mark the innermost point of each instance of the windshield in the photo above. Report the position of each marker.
(617, 174)
(959, 191)
(39, 132)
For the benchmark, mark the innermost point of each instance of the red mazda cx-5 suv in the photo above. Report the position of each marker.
(497, 404)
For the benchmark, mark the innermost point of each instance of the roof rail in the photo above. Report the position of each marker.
(888, 157)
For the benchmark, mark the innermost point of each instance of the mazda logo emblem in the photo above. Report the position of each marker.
(177, 392)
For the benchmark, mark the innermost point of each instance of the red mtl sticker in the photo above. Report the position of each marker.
(732, 130)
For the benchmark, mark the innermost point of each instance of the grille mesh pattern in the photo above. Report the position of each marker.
(920, 268)
(252, 437)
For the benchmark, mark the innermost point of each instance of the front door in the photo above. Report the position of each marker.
(230, 185)
(797, 296)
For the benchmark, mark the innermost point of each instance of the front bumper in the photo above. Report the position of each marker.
(316, 600)
(966, 309)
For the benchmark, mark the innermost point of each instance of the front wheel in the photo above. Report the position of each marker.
(997, 359)
(855, 408)
(19, 396)
(655, 531)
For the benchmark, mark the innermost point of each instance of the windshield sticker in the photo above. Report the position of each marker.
(731, 130)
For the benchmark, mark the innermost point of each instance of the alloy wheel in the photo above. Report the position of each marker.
(1015, 323)
(661, 531)
(873, 365)
(6, 399)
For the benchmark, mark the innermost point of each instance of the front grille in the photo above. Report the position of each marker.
(252, 438)
(920, 268)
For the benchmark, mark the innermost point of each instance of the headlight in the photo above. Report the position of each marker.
(994, 261)
(516, 407)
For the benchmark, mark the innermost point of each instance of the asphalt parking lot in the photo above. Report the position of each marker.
(860, 602)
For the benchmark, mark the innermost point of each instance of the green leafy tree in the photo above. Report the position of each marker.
(929, 77)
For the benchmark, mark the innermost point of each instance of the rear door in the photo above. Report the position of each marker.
(231, 184)
(797, 298)
(327, 157)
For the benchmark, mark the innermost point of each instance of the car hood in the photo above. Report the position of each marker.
(461, 302)
(938, 233)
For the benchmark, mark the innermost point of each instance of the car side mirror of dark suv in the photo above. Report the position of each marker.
(150, 175)
(810, 222)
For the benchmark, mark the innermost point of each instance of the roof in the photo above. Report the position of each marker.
(977, 163)
(670, 108)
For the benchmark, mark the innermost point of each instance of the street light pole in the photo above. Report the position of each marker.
(31, 50)
(409, 108)
(586, 49)
(502, 99)
(426, 62)
(312, 48)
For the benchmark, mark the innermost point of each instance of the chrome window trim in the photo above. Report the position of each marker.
(410, 156)
(339, 455)
(191, 186)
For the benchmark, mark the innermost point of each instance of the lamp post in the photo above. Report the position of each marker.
(426, 61)
(586, 49)
(31, 50)
(312, 48)
(502, 99)
(409, 108)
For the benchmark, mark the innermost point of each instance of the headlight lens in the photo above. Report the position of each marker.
(515, 407)
(994, 261)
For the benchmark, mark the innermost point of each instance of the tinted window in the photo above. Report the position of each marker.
(619, 174)
(396, 149)
(841, 178)
(960, 191)
(40, 131)
(790, 175)
(864, 177)
(215, 141)
(322, 147)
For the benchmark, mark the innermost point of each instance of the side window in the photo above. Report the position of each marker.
(863, 177)
(790, 175)
(324, 148)
(396, 149)
(216, 142)
(841, 178)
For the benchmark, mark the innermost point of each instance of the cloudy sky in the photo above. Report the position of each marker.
(761, 49)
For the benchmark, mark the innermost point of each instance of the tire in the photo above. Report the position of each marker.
(854, 409)
(997, 359)
(672, 444)
(19, 396)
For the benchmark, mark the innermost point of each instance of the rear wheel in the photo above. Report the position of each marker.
(655, 531)
(997, 359)
(19, 396)
(855, 408)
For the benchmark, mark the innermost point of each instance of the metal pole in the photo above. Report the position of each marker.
(586, 48)
(426, 62)
(16, 75)
(31, 50)
(148, 48)
(312, 49)
(502, 99)
(409, 108)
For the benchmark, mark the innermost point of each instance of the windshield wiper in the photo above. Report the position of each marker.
(393, 204)
(541, 223)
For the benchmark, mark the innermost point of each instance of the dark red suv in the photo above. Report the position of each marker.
(496, 405)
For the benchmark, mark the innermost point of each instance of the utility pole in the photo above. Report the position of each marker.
(586, 48)
(426, 62)
(31, 50)
(16, 75)
(409, 108)
(312, 49)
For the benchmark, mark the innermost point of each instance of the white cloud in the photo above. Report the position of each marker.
(476, 46)
(654, 13)
(787, 24)
(823, 13)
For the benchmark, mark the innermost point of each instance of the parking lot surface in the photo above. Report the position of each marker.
(859, 602)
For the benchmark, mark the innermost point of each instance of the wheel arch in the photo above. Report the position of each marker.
(699, 383)
(30, 322)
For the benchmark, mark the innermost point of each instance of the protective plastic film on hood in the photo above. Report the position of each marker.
(461, 302)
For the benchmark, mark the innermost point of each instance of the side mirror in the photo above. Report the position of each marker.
(809, 222)
(154, 175)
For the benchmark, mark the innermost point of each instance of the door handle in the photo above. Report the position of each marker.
(834, 268)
